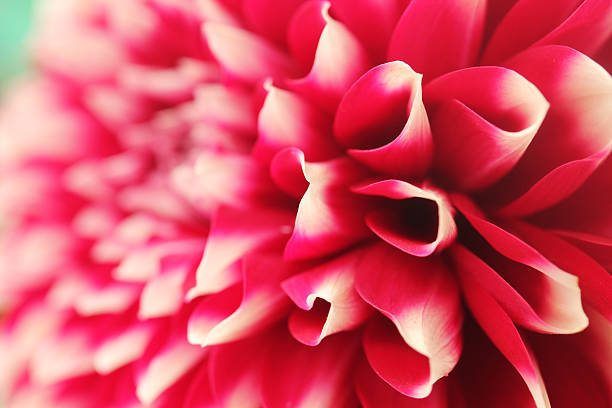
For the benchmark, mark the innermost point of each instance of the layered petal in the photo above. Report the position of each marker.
(573, 140)
(421, 298)
(419, 220)
(327, 298)
(383, 121)
(338, 61)
(241, 310)
(436, 39)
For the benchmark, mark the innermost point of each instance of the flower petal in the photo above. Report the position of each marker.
(245, 55)
(483, 119)
(421, 298)
(242, 309)
(502, 332)
(517, 265)
(287, 120)
(574, 138)
(383, 120)
(339, 60)
(317, 376)
(581, 24)
(436, 39)
(421, 224)
(328, 300)
(233, 234)
(269, 17)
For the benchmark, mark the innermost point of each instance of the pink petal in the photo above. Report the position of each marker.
(245, 55)
(163, 294)
(227, 107)
(421, 298)
(233, 234)
(317, 376)
(339, 60)
(287, 120)
(200, 394)
(218, 11)
(595, 282)
(329, 216)
(303, 43)
(288, 170)
(241, 311)
(113, 298)
(383, 120)
(502, 332)
(583, 377)
(583, 25)
(235, 371)
(411, 225)
(166, 367)
(327, 298)
(269, 17)
(373, 392)
(530, 301)
(483, 119)
(123, 348)
(372, 21)
(574, 138)
(560, 286)
(436, 40)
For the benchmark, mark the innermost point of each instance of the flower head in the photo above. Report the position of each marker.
(252, 203)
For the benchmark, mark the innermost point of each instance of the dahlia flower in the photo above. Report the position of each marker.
(306, 203)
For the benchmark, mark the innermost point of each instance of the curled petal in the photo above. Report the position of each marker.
(328, 300)
(436, 39)
(421, 298)
(339, 60)
(288, 170)
(573, 140)
(595, 281)
(317, 376)
(517, 265)
(287, 120)
(502, 332)
(373, 392)
(383, 120)
(581, 24)
(242, 309)
(329, 217)
(420, 224)
(245, 55)
(233, 234)
(303, 43)
(372, 21)
(483, 119)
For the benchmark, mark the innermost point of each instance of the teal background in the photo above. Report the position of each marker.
(15, 16)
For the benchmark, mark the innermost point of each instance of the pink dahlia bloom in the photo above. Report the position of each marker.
(291, 203)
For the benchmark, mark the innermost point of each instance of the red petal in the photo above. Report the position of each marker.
(502, 332)
(270, 17)
(315, 377)
(245, 55)
(287, 120)
(482, 120)
(373, 392)
(303, 42)
(390, 225)
(233, 234)
(436, 40)
(595, 282)
(545, 291)
(328, 298)
(383, 120)
(339, 60)
(372, 21)
(330, 217)
(421, 299)
(243, 309)
(581, 24)
(574, 138)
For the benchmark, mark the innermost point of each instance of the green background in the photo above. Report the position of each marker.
(14, 24)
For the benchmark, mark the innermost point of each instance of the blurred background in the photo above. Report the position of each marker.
(14, 24)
